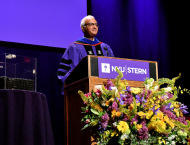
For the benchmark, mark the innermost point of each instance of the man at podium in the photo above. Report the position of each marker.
(87, 45)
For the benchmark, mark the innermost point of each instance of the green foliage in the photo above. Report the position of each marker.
(134, 110)
(84, 98)
(87, 125)
(95, 122)
(94, 111)
(107, 92)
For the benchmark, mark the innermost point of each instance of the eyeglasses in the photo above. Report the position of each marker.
(92, 24)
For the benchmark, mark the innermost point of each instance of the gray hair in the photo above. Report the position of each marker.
(86, 18)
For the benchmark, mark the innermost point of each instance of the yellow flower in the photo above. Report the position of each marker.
(177, 112)
(166, 119)
(141, 114)
(107, 103)
(176, 105)
(107, 132)
(131, 106)
(160, 124)
(111, 99)
(136, 90)
(118, 114)
(114, 133)
(138, 126)
(96, 107)
(113, 113)
(122, 126)
(138, 104)
(160, 115)
(157, 125)
(171, 124)
(163, 141)
(149, 114)
(181, 114)
(134, 122)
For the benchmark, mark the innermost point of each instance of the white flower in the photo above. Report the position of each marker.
(124, 136)
(184, 142)
(172, 136)
(173, 143)
(168, 89)
(115, 124)
(165, 97)
(115, 89)
(103, 104)
(156, 87)
(147, 86)
(169, 138)
(99, 87)
(167, 142)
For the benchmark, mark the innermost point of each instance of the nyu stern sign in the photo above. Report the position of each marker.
(132, 70)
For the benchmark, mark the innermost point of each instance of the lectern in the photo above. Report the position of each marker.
(92, 71)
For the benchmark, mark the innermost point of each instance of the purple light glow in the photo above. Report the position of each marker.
(47, 23)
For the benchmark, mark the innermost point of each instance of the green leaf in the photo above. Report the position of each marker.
(94, 122)
(132, 117)
(85, 126)
(101, 113)
(82, 119)
(93, 94)
(94, 111)
(90, 100)
(83, 108)
(86, 116)
(109, 126)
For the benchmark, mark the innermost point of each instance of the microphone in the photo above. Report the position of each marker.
(106, 49)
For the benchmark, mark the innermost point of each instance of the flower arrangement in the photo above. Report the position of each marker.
(147, 115)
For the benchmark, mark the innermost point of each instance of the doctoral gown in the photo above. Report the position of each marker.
(74, 54)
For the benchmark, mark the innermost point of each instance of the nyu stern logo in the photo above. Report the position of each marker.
(105, 67)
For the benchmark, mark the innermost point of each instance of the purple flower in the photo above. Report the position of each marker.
(147, 94)
(168, 107)
(105, 117)
(183, 109)
(140, 99)
(128, 99)
(128, 89)
(122, 96)
(134, 119)
(155, 110)
(142, 133)
(163, 108)
(109, 84)
(101, 129)
(125, 118)
(170, 95)
(143, 122)
(182, 120)
(114, 105)
(104, 124)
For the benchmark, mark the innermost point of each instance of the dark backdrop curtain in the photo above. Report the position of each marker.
(156, 30)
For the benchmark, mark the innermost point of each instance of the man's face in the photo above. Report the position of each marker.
(90, 31)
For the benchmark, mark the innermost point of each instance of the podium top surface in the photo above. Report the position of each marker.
(90, 66)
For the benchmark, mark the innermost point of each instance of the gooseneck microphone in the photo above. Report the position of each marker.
(106, 49)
